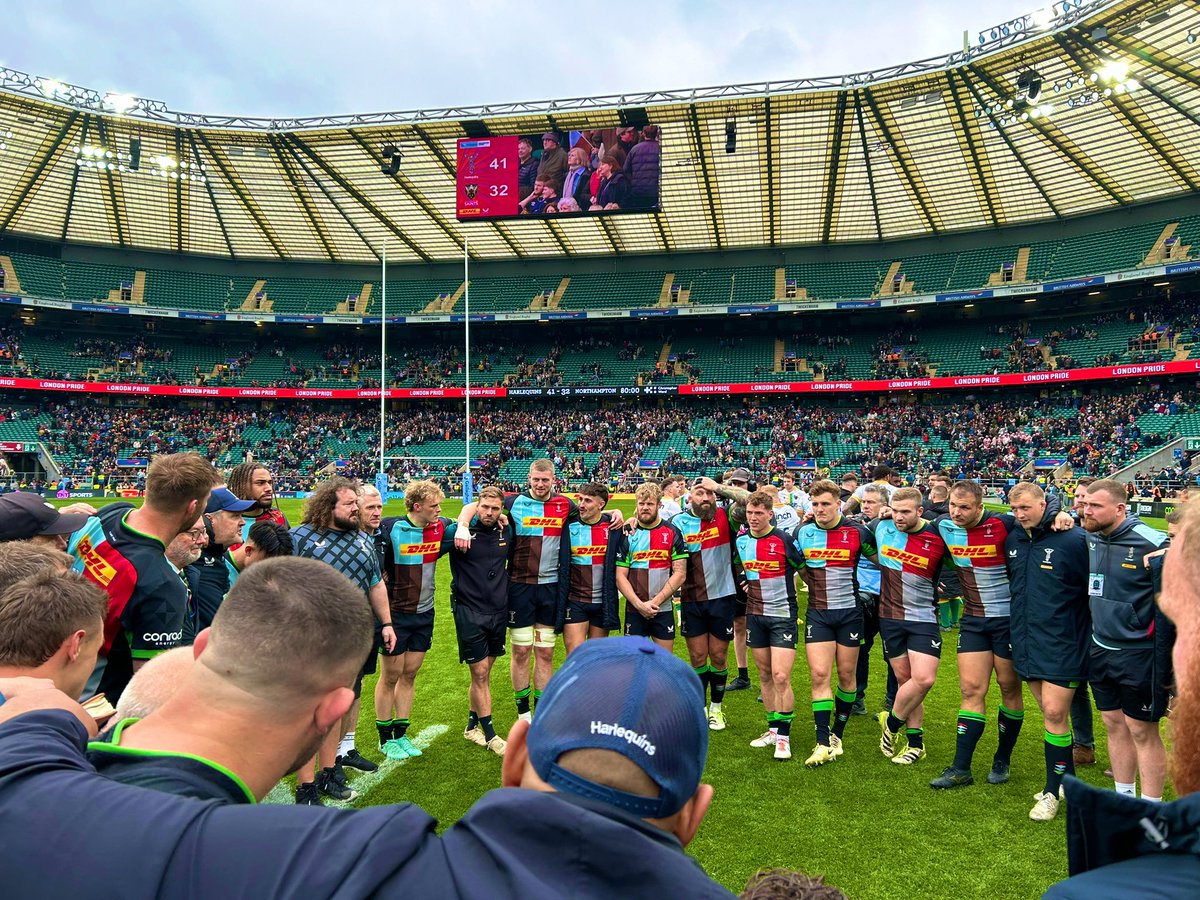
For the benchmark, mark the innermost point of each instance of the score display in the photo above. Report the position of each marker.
(595, 171)
(487, 177)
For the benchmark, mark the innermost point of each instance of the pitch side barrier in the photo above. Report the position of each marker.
(958, 382)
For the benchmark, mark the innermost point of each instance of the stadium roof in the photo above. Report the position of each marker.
(915, 150)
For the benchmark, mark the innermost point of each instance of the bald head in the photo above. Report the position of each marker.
(154, 683)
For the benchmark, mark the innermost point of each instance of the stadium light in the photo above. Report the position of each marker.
(1042, 18)
(120, 103)
(1191, 37)
(1112, 71)
(731, 136)
(51, 87)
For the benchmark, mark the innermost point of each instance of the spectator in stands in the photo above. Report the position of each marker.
(553, 165)
(577, 181)
(614, 187)
(527, 167)
(26, 516)
(642, 169)
(51, 625)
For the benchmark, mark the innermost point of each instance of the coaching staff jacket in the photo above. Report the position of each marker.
(479, 577)
(1049, 618)
(70, 832)
(1120, 847)
(1121, 588)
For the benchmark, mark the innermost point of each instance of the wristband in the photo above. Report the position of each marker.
(387, 625)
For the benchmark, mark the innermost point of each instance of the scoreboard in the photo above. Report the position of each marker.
(487, 178)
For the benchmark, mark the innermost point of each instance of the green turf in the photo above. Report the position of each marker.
(871, 827)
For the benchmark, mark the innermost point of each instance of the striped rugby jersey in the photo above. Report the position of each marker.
(908, 570)
(786, 519)
(537, 533)
(766, 568)
(648, 554)
(410, 560)
(831, 559)
(710, 560)
(587, 549)
(979, 559)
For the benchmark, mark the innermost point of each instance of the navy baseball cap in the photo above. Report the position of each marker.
(630, 696)
(222, 499)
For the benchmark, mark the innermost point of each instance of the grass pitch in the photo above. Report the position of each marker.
(875, 829)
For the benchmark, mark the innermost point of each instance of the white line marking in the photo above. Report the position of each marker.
(365, 782)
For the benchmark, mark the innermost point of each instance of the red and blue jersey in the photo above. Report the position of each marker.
(589, 555)
(831, 558)
(908, 567)
(979, 559)
(537, 533)
(766, 567)
(649, 554)
(710, 559)
(410, 561)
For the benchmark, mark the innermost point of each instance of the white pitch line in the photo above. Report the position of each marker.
(366, 782)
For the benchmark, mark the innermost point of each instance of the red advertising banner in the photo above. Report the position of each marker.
(251, 393)
(958, 382)
(12, 447)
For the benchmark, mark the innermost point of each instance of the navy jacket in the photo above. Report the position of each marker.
(1050, 620)
(1119, 847)
(140, 843)
(612, 613)
(1120, 587)
(641, 168)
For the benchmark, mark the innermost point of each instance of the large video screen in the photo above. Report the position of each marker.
(592, 172)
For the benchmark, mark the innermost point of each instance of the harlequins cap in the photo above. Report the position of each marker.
(24, 515)
(630, 696)
(223, 499)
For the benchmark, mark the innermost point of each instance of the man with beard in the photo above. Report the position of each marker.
(1124, 667)
(708, 594)
(253, 481)
(651, 565)
(266, 687)
(1120, 846)
(182, 553)
(223, 522)
(330, 533)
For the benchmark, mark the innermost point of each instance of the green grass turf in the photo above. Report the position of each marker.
(873, 828)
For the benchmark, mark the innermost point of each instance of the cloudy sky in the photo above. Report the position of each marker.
(306, 57)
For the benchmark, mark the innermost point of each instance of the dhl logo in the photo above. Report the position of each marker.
(542, 521)
(903, 556)
(707, 534)
(759, 565)
(99, 568)
(826, 553)
(975, 552)
(589, 551)
(651, 556)
(420, 549)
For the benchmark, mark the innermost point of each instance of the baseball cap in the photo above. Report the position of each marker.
(222, 499)
(740, 475)
(24, 515)
(630, 696)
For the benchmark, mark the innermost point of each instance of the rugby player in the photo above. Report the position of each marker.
(785, 516)
(1126, 666)
(794, 497)
(740, 480)
(708, 594)
(1050, 624)
(651, 566)
(673, 489)
(831, 548)
(412, 545)
(329, 533)
(882, 476)
(910, 554)
(479, 605)
(538, 517)
(949, 588)
(765, 561)
(253, 481)
(1083, 719)
(867, 574)
(587, 586)
(976, 539)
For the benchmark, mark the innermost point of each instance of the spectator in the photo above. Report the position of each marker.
(553, 166)
(614, 187)
(642, 169)
(577, 181)
(527, 167)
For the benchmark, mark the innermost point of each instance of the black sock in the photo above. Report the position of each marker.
(702, 672)
(783, 723)
(970, 730)
(1058, 759)
(843, 703)
(716, 683)
(1010, 727)
(743, 672)
(384, 727)
(893, 724)
(472, 720)
(400, 728)
(822, 710)
(489, 730)
(916, 738)
(522, 698)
